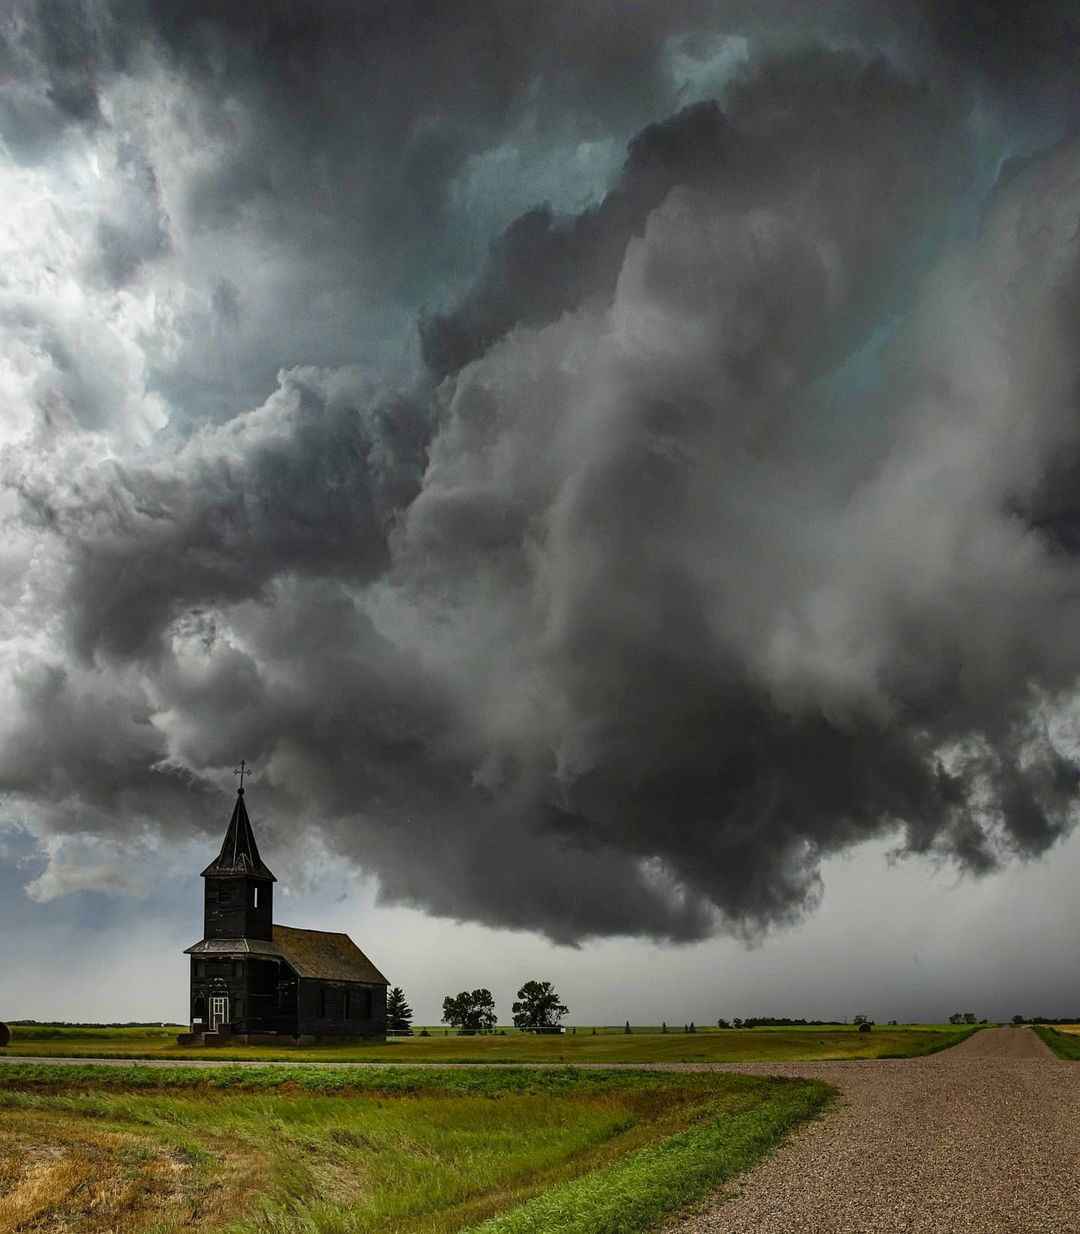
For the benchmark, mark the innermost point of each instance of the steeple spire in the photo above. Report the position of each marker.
(239, 853)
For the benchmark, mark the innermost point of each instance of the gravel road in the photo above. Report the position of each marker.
(980, 1139)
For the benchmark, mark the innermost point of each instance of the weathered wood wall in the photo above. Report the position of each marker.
(341, 1009)
(230, 911)
(265, 996)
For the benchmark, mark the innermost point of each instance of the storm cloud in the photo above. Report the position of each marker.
(715, 527)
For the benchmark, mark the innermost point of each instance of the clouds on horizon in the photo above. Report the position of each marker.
(620, 615)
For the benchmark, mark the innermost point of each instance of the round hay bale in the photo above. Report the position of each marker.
(5, 1034)
(865, 1028)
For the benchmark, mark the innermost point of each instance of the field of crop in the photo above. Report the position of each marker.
(640, 1046)
(310, 1151)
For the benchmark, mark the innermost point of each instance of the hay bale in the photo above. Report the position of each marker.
(865, 1028)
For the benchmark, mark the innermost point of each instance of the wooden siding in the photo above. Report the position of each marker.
(229, 908)
(265, 996)
(323, 1006)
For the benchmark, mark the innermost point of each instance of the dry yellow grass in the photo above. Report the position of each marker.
(60, 1174)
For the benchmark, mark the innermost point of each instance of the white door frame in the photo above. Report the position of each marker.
(219, 1011)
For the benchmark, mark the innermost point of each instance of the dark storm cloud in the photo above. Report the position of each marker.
(136, 229)
(1026, 50)
(311, 150)
(307, 484)
(606, 633)
(358, 113)
(783, 126)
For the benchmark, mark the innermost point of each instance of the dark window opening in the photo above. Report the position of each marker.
(322, 1003)
(200, 968)
(366, 1004)
(198, 1008)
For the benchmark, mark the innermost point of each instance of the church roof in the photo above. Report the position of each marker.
(239, 853)
(324, 955)
(234, 947)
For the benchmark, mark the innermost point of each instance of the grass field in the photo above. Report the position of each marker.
(1063, 1039)
(641, 1046)
(324, 1151)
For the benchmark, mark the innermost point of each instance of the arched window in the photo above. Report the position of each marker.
(198, 1008)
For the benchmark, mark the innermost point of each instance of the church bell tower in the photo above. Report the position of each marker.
(238, 894)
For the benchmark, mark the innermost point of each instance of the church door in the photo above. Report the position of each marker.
(219, 1012)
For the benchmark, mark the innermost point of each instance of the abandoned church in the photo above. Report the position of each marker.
(252, 979)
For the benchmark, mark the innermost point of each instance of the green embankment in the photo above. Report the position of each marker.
(1064, 1045)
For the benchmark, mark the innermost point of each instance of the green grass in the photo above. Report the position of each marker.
(385, 1151)
(1064, 1045)
(703, 1046)
(635, 1194)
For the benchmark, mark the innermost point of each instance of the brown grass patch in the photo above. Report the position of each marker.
(58, 1175)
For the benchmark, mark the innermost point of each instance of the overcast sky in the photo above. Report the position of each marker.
(611, 468)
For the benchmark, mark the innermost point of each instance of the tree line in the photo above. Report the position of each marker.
(538, 1007)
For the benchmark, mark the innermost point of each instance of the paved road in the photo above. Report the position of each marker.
(980, 1139)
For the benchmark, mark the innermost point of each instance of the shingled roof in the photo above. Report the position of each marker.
(239, 853)
(234, 947)
(327, 956)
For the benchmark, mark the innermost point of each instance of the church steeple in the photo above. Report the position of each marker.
(239, 891)
(239, 852)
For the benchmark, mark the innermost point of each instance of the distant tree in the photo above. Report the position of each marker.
(969, 1017)
(538, 1006)
(398, 1011)
(892, 1023)
(736, 1023)
(722, 1023)
(663, 1027)
(957, 1017)
(470, 1011)
(1018, 1019)
(692, 1028)
(860, 1019)
(627, 1028)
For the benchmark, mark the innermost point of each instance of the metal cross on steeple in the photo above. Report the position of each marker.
(241, 771)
